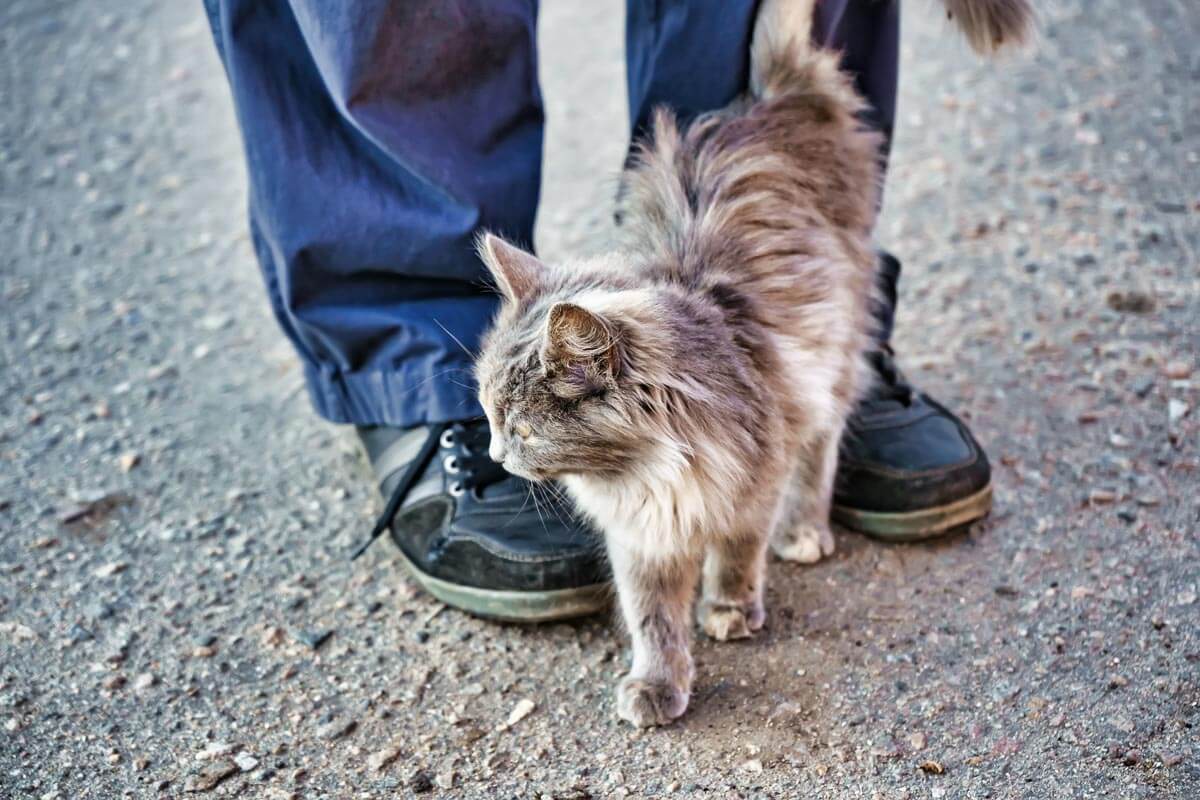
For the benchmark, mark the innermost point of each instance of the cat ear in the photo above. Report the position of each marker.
(582, 342)
(516, 272)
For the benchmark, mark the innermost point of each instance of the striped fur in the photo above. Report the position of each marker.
(690, 389)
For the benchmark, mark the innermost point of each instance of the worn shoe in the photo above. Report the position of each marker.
(478, 538)
(909, 469)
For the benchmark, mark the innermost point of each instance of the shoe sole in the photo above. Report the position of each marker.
(513, 606)
(915, 526)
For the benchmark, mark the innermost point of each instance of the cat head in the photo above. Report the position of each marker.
(561, 374)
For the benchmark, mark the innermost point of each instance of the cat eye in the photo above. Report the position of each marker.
(522, 429)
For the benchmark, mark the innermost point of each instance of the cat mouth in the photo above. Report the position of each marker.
(529, 473)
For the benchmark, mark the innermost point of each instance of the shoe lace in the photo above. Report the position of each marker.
(891, 386)
(468, 460)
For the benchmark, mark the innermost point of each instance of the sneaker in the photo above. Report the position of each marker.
(478, 538)
(909, 469)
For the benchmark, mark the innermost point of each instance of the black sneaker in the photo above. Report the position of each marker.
(909, 469)
(478, 538)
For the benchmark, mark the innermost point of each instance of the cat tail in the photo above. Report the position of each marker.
(784, 59)
(992, 24)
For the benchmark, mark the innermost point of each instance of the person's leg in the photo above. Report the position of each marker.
(380, 137)
(909, 469)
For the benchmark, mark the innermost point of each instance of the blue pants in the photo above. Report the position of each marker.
(380, 135)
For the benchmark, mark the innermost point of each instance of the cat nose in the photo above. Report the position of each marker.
(496, 450)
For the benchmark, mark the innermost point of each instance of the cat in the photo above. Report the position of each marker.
(690, 389)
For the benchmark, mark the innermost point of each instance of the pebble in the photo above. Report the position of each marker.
(108, 570)
(113, 682)
(245, 762)
(211, 774)
(144, 681)
(337, 728)
(1177, 410)
(420, 782)
(381, 759)
(1177, 370)
(522, 710)
(1131, 301)
(313, 638)
(1143, 386)
(78, 634)
(127, 461)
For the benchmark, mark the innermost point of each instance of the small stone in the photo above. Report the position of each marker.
(1131, 301)
(245, 762)
(127, 461)
(420, 782)
(337, 728)
(1118, 441)
(113, 682)
(18, 632)
(1176, 410)
(313, 638)
(522, 710)
(144, 681)
(1101, 496)
(214, 750)
(445, 780)
(211, 774)
(1117, 682)
(204, 651)
(1172, 759)
(108, 570)
(931, 767)
(140, 764)
(1170, 207)
(1143, 386)
(754, 766)
(917, 741)
(1177, 370)
(78, 634)
(382, 759)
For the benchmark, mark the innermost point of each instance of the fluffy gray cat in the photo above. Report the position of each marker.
(690, 390)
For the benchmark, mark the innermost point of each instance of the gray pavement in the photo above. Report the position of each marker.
(173, 520)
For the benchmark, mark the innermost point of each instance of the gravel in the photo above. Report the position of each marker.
(174, 521)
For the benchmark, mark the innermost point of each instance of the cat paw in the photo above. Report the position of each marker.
(723, 621)
(805, 544)
(647, 703)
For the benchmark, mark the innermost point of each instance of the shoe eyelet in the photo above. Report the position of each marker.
(456, 489)
(447, 440)
(450, 465)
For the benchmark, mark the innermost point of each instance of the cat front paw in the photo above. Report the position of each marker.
(725, 621)
(647, 703)
(804, 544)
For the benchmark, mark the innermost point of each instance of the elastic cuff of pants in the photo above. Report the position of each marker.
(419, 394)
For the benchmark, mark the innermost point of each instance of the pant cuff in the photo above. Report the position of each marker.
(403, 396)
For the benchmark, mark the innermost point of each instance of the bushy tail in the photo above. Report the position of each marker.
(992, 24)
(783, 57)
